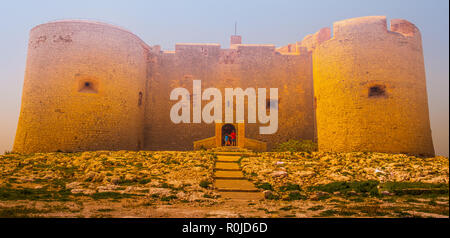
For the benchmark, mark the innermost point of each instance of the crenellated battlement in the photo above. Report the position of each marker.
(363, 29)
(404, 27)
(359, 26)
(235, 50)
(311, 41)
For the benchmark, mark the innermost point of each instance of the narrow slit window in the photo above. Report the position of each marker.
(140, 99)
(377, 91)
(87, 87)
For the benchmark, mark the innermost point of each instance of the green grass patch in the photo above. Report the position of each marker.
(316, 208)
(290, 215)
(357, 199)
(267, 210)
(210, 196)
(205, 184)
(144, 181)
(113, 195)
(287, 208)
(328, 213)
(338, 201)
(105, 210)
(345, 213)
(372, 211)
(169, 198)
(296, 195)
(155, 195)
(264, 186)
(416, 188)
(369, 186)
(290, 187)
(19, 212)
(33, 194)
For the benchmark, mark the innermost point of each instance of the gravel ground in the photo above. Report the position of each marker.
(179, 184)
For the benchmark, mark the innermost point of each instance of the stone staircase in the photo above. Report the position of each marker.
(229, 179)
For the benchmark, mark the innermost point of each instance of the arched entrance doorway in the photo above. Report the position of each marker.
(221, 129)
(228, 130)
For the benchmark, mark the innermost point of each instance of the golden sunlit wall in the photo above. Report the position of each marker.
(83, 89)
(370, 89)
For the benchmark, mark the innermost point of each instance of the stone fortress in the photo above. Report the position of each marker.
(94, 86)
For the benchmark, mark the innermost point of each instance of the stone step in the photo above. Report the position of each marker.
(242, 195)
(226, 161)
(233, 185)
(230, 178)
(237, 153)
(229, 174)
(227, 166)
(225, 158)
(230, 148)
(227, 169)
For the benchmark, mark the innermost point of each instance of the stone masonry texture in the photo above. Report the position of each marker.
(363, 56)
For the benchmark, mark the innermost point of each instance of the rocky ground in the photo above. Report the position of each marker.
(180, 184)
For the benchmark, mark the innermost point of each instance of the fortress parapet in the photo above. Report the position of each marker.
(310, 42)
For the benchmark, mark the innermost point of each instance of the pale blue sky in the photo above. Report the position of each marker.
(274, 22)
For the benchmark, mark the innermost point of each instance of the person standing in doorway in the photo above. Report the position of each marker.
(233, 138)
(227, 140)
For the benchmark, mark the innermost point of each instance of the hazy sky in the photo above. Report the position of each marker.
(272, 22)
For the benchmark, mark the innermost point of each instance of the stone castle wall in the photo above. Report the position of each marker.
(244, 66)
(370, 89)
(81, 89)
(125, 103)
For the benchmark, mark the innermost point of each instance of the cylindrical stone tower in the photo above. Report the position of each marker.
(370, 89)
(83, 89)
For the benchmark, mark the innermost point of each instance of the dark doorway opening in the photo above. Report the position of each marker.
(229, 135)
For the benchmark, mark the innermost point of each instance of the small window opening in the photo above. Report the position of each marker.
(140, 99)
(87, 87)
(377, 91)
